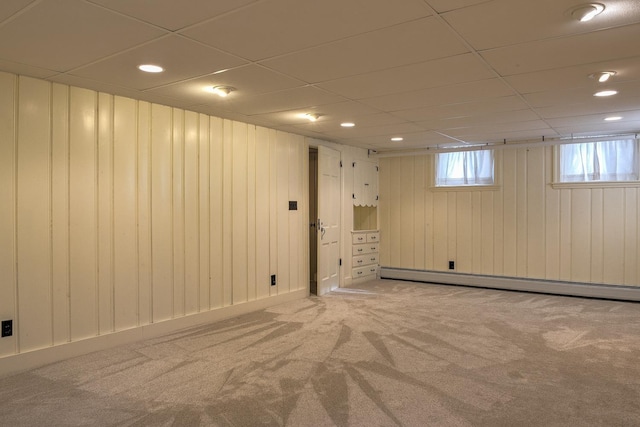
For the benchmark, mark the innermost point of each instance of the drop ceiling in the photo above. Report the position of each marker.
(438, 73)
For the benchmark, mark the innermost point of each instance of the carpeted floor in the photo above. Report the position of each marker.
(384, 353)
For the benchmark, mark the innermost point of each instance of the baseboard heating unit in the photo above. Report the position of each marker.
(589, 290)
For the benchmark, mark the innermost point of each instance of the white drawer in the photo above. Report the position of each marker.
(360, 260)
(359, 238)
(367, 271)
(373, 237)
(364, 249)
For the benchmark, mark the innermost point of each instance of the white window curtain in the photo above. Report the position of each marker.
(465, 168)
(599, 161)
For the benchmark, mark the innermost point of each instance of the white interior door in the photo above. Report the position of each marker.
(328, 224)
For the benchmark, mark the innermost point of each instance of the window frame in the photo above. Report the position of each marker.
(497, 176)
(557, 184)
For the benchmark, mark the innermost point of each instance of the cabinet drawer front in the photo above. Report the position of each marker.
(373, 237)
(363, 272)
(359, 238)
(360, 260)
(363, 249)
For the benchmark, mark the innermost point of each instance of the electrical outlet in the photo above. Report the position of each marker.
(7, 328)
(452, 265)
(273, 280)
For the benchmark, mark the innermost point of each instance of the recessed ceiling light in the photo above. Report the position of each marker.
(613, 118)
(221, 91)
(221, 71)
(602, 76)
(586, 12)
(347, 124)
(150, 68)
(312, 117)
(397, 139)
(605, 93)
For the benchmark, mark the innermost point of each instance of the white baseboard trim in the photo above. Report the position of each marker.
(16, 363)
(590, 290)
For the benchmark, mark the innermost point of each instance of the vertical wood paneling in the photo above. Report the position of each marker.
(227, 213)
(8, 113)
(521, 213)
(407, 211)
(487, 241)
(464, 232)
(429, 216)
(178, 215)
(580, 234)
(83, 214)
(34, 322)
(145, 274)
(303, 223)
(395, 199)
(273, 208)
(498, 219)
(204, 215)
(262, 213)
(535, 191)
(384, 211)
(597, 236)
(552, 223)
(452, 232)
(282, 212)
(509, 212)
(614, 212)
(60, 213)
(191, 214)
(440, 230)
(215, 200)
(630, 233)
(125, 159)
(295, 191)
(105, 213)
(476, 227)
(565, 234)
(419, 220)
(251, 213)
(240, 207)
(161, 212)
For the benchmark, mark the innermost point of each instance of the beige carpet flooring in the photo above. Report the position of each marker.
(384, 353)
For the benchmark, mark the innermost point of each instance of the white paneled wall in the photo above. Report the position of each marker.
(117, 213)
(524, 229)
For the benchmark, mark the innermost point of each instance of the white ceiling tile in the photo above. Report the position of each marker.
(249, 80)
(270, 28)
(599, 129)
(584, 95)
(604, 45)
(171, 14)
(578, 76)
(447, 5)
(490, 88)
(493, 119)
(595, 106)
(478, 137)
(464, 109)
(280, 101)
(395, 46)
(331, 115)
(373, 131)
(510, 22)
(439, 72)
(64, 34)
(8, 8)
(577, 121)
(180, 57)
(26, 70)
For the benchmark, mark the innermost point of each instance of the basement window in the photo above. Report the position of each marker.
(465, 169)
(602, 163)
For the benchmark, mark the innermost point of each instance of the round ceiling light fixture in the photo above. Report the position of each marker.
(613, 119)
(347, 124)
(605, 93)
(312, 117)
(397, 139)
(602, 76)
(586, 12)
(150, 68)
(221, 91)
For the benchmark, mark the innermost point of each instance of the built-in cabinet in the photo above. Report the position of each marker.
(365, 254)
(365, 183)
